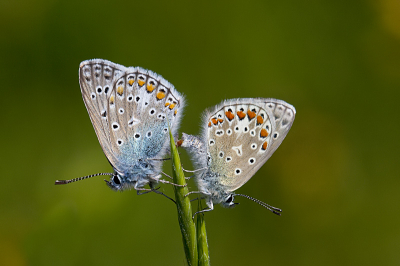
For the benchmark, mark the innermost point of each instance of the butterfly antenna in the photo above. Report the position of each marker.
(155, 159)
(63, 182)
(275, 210)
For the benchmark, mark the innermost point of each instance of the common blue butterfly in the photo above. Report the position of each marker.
(238, 136)
(130, 109)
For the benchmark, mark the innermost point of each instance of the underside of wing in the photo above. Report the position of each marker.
(96, 79)
(139, 109)
(241, 135)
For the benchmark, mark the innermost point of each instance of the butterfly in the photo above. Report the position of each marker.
(237, 137)
(131, 109)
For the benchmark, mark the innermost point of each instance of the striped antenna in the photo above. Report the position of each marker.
(63, 182)
(155, 159)
(275, 210)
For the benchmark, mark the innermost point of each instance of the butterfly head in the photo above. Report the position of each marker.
(229, 201)
(117, 182)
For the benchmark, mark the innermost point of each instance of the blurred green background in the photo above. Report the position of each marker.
(335, 176)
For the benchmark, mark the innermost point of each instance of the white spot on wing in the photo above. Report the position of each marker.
(133, 121)
(238, 150)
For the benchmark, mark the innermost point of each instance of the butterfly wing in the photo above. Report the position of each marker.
(96, 79)
(139, 108)
(130, 109)
(242, 134)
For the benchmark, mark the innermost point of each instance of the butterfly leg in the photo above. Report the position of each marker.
(199, 198)
(152, 189)
(192, 192)
(172, 178)
(156, 159)
(147, 191)
(155, 190)
(167, 182)
(187, 178)
(142, 189)
(167, 175)
(142, 193)
(158, 179)
(194, 171)
(210, 205)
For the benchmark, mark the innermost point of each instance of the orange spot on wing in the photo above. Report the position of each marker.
(176, 111)
(264, 133)
(264, 146)
(251, 114)
(150, 88)
(171, 106)
(260, 120)
(141, 82)
(229, 115)
(214, 121)
(166, 104)
(160, 95)
(220, 120)
(209, 124)
(112, 99)
(241, 115)
(120, 90)
(131, 81)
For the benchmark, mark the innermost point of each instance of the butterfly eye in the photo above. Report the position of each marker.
(229, 199)
(116, 180)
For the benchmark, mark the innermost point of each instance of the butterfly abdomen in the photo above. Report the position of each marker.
(196, 148)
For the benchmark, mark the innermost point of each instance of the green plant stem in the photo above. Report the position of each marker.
(202, 245)
(184, 208)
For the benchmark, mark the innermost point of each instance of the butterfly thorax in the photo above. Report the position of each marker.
(210, 185)
(209, 180)
(195, 146)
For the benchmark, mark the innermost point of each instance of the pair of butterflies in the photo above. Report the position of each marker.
(132, 108)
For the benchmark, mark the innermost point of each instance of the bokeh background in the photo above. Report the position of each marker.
(335, 176)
